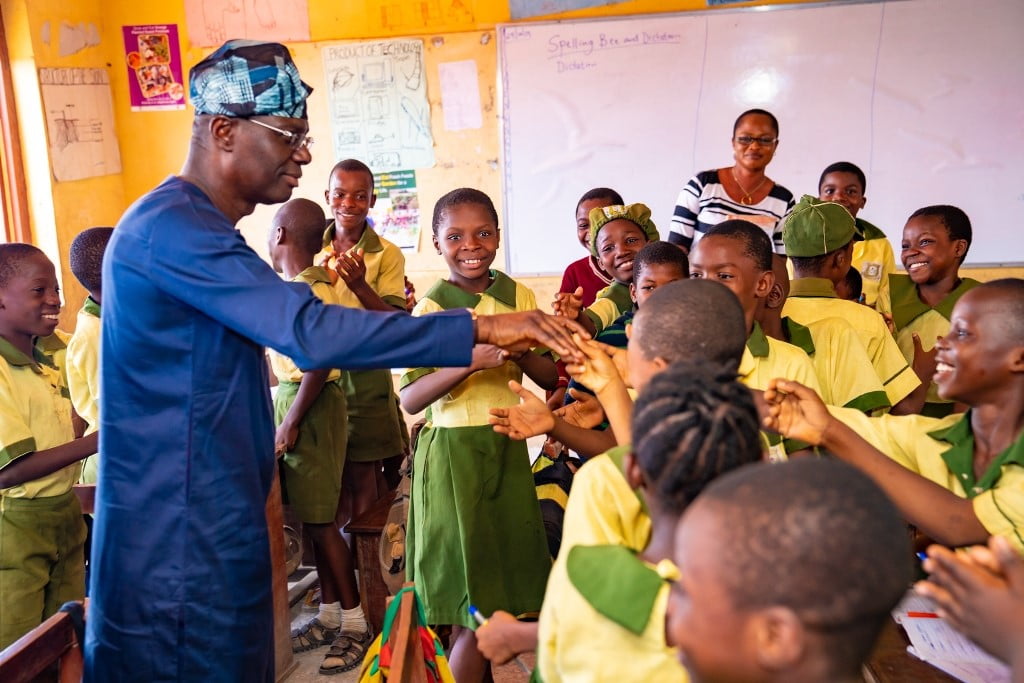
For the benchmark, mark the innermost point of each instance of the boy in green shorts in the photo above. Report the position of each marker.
(309, 409)
(370, 274)
(41, 528)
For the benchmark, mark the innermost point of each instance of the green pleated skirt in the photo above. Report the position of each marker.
(475, 534)
(375, 423)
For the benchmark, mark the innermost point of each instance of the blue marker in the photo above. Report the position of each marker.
(481, 620)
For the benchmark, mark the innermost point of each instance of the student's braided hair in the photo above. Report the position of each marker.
(692, 423)
(463, 195)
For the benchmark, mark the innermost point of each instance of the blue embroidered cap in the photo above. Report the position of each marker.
(245, 78)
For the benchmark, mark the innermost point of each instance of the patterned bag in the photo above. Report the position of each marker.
(377, 664)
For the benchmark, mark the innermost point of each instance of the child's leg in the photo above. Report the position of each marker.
(338, 584)
(467, 664)
(27, 552)
(361, 486)
(67, 576)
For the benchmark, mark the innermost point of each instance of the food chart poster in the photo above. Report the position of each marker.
(154, 67)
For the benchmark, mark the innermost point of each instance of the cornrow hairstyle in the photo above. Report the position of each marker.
(352, 166)
(463, 195)
(700, 320)
(693, 422)
(661, 253)
(86, 257)
(958, 225)
(13, 257)
(756, 244)
(760, 112)
(789, 546)
(601, 193)
(845, 167)
(304, 222)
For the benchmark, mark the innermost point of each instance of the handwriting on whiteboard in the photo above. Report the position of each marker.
(562, 46)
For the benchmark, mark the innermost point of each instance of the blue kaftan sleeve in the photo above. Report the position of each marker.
(213, 270)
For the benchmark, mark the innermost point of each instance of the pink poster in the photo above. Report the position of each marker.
(154, 67)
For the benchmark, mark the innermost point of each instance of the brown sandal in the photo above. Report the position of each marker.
(312, 634)
(346, 653)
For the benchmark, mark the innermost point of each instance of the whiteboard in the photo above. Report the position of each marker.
(927, 96)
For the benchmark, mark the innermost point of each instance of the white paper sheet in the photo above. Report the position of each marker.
(460, 95)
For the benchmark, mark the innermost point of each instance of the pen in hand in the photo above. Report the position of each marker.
(480, 619)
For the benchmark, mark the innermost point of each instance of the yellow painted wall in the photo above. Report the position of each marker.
(153, 144)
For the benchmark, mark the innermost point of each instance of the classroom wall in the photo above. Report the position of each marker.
(153, 144)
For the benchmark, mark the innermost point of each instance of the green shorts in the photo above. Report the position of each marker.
(42, 564)
(311, 471)
(375, 423)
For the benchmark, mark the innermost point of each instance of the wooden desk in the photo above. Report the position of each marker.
(365, 530)
(891, 663)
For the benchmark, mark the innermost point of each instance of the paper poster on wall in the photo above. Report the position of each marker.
(80, 123)
(211, 22)
(396, 215)
(377, 94)
(521, 9)
(154, 67)
(460, 95)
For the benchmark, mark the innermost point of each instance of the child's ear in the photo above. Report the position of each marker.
(764, 284)
(632, 291)
(629, 326)
(437, 245)
(960, 248)
(279, 235)
(373, 199)
(776, 298)
(780, 640)
(634, 476)
(1016, 356)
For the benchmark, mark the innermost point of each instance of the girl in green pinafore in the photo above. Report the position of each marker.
(475, 534)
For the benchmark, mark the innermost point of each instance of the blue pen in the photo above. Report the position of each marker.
(922, 556)
(481, 620)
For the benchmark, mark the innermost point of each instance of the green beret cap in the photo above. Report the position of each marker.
(638, 214)
(816, 228)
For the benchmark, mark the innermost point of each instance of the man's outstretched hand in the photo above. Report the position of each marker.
(527, 329)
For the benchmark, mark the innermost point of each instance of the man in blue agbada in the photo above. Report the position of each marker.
(181, 573)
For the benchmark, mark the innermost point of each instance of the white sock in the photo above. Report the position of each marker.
(354, 620)
(330, 615)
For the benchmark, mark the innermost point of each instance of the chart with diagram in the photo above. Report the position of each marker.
(80, 122)
(377, 94)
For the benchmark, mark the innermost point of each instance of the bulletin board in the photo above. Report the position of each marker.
(924, 95)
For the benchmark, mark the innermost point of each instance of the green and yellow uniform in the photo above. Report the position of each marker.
(42, 534)
(83, 373)
(874, 260)
(375, 424)
(475, 534)
(311, 471)
(811, 299)
(912, 316)
(942, 451)
(610, 304)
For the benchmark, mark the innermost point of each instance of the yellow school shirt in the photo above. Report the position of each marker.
(83, 373)
(602, 510)
(840, 362)
(942, 450)
(284, 368)
(385, 268)
(874, 260)
(468, 404)
(912, 316)
(811, 299)
(35, 414)
(611, 302)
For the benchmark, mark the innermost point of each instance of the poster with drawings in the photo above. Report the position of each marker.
(80, 122)
(377, 97)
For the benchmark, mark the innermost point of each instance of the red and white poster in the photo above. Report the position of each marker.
(154, 67)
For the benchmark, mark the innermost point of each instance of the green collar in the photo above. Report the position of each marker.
(799, 336)
(869, 231)
(15, 357)
(91, 307)
(812, 286)
(907, 305)
(757, 342)
(369, 241)
(312, 275)
(602, 572)
(959, 456)
(448, 296)
(619, 294)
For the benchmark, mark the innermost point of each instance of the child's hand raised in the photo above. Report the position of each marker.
(325, 263)
(568, 304)
(585, 412)
(597, 370)
(530, 418)
(488, 356)
(351, 267)
(796, 411)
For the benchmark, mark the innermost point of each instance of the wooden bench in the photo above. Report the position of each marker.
(365, 530)
(52, 643)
